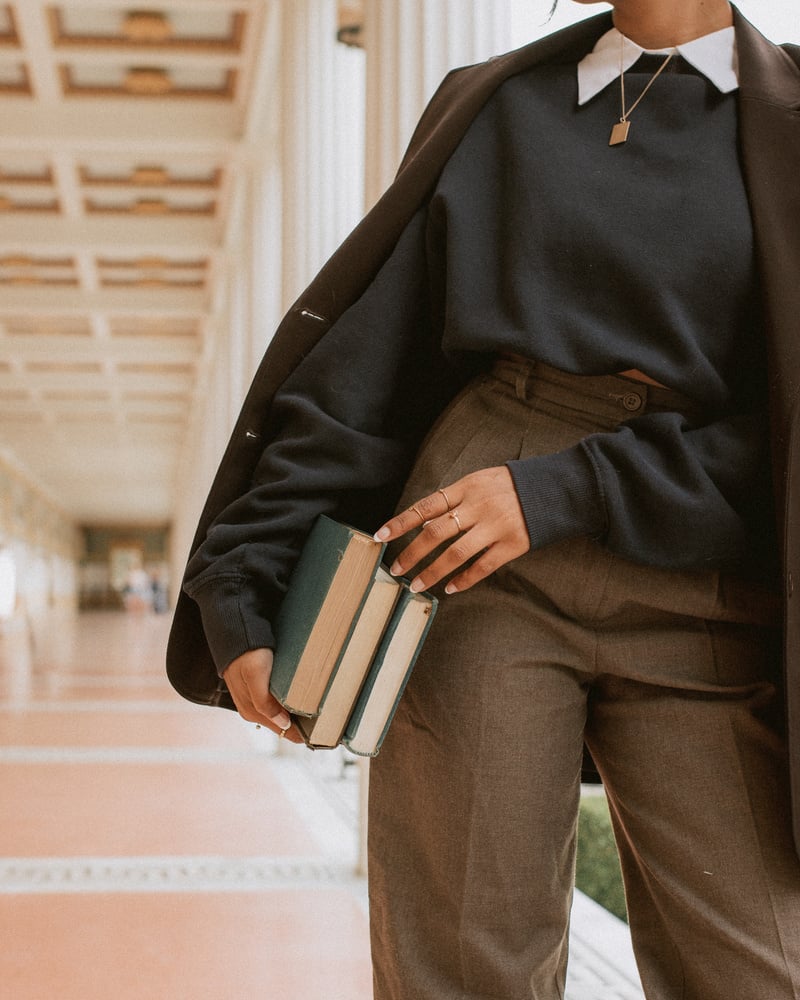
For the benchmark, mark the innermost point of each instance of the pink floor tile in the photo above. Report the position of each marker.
(191, 726)
(146, 809)
(287, 945)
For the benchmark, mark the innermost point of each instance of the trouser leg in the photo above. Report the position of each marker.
(696, 779)
(473, 806)
(474, 796)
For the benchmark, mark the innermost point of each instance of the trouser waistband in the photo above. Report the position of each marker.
(607, 396)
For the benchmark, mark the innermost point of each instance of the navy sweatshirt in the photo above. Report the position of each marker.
(542, 240)
(596, 259)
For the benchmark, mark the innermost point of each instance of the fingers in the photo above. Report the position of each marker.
(247, 678)
(474, 525)
(437, 532)
(419, 515)
(486, 564)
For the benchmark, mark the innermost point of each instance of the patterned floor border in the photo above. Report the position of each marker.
(122, 755)
(172, 874)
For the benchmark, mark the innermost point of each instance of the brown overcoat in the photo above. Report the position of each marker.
(769, 129)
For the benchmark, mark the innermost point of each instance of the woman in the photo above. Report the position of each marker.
(596, 254)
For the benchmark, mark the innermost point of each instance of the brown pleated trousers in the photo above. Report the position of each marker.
(669, 677)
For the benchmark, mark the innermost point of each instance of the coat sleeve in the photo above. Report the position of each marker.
(343, 432)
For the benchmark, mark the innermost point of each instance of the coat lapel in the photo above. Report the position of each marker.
(769, 129)
(769, 124)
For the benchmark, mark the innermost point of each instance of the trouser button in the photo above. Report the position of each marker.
(632, 401)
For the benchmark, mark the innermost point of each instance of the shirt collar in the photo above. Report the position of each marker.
(712, 55)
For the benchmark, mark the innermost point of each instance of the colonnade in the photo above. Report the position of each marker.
(328, 131)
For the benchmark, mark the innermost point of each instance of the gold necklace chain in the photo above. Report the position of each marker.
(619, 133)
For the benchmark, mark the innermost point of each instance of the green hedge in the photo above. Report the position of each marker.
(598, 872)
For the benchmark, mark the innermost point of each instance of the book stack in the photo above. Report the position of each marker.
(347, 637)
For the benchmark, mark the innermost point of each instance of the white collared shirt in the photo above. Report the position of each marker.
(712, 55)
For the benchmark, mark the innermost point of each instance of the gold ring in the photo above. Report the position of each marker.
(421, 518)
(446, 499)
(283, 732)
(454, 515)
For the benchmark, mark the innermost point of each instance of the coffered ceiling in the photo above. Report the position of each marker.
(121, 130)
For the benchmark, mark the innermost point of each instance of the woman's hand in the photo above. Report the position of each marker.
(478, 515)
(247, 678)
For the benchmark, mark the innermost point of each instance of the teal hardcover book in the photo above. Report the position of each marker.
(389, 672)
(327, 590)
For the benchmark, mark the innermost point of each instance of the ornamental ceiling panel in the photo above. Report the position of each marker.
(27, 170)
(147, 82)
(167, 27)
(14, 79)
(133, 174)
(8, 27)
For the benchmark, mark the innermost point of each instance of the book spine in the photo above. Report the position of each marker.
(350, 737)
(327, 728)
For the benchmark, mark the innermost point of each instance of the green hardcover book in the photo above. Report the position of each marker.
(389, 673)
(326, 729)
(327, 589)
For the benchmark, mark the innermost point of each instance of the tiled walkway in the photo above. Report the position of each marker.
(153, 850)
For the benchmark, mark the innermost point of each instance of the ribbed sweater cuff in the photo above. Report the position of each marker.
(231, 620)
(560, 496)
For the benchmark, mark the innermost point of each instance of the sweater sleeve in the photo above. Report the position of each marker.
(656, 490)
(343, 429)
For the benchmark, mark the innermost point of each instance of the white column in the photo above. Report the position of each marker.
(305, 167)
(411, 45)
(350, 67)
(236, 343)
(262, 240)
(308, 131)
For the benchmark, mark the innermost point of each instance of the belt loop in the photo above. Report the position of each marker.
(521, 384)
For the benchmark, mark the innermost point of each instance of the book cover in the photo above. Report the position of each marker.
(327, 589)
(389, 673)
(326, 729)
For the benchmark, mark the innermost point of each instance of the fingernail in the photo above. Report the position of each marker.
(416, 586)
(382, 534)
(395, 569)
(282, 720)
(451, 588)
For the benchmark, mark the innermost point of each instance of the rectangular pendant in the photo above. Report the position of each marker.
(619, 133)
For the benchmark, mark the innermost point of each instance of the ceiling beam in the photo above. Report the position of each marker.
(129, 124)
(39, 299)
